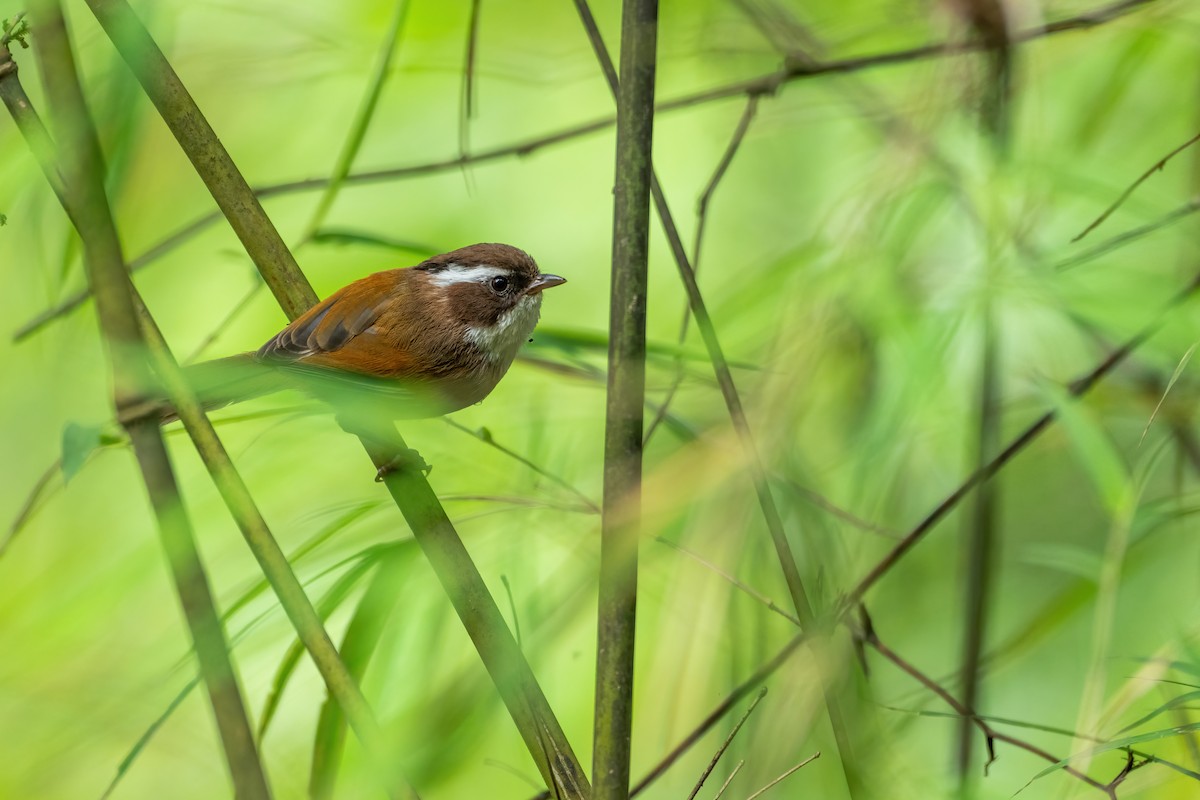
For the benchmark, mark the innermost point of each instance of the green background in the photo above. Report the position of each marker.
(861, 234)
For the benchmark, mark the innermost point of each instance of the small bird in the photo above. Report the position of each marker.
(424, 340)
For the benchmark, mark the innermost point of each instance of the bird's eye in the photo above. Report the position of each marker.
(499, 284)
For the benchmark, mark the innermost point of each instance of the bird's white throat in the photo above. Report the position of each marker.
(501, 341)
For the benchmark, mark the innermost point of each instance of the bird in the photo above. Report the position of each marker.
(419, 341)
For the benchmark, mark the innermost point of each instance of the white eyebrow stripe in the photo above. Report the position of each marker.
(458, 273)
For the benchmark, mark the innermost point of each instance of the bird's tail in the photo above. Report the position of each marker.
(216, 384)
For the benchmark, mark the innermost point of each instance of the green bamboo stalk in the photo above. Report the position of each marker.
(770, 510)
(83, 187)
(527, 704)
(620, 526)
(232, 488)
(358, 645)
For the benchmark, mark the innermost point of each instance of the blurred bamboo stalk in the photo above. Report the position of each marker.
(981, 544)
(620, 527)
(83, 190)
(527, 704)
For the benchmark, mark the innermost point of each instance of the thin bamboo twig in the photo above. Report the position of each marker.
(485, 436)
(759, 596)
(864, 633)
(1158, 166)
(527, 704)
(1131, 235)
(31, 504)
(788, 772)
(732, 774)
(242, 507)
(741, 691)
(762, 85)
(867, 634)
(620, 523)
(466, 100)
(735, 143)
(725, 746)
(83, 188)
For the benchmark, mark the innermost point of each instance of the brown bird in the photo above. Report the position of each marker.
(423, 340)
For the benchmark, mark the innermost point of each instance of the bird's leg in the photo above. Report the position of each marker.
(383, 437)
(406, 458)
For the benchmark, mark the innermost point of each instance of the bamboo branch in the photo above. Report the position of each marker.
(735, 143)
(1157, 166)
(543, 735)
(83, 189)
(762, 85)
(866, 633)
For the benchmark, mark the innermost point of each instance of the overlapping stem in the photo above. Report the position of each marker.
(229, 482)
(82, 187)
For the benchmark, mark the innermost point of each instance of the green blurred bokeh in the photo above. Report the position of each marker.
(863, 230)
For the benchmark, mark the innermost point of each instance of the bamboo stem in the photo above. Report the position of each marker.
(620, 526)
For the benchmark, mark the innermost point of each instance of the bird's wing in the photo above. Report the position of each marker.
(333, 324)
(334, 352)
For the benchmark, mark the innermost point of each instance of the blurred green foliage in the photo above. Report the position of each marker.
(863, 229)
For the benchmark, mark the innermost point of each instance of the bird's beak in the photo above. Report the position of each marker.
(544, 281)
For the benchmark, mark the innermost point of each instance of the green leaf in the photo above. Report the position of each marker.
(148, 734)
(1095, 450)
(333, 598)
(361, 640)
(575, 339)
(78, 444)
(1179, 368)
(1071, 559)
(1174, 702)
(1120, 744)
